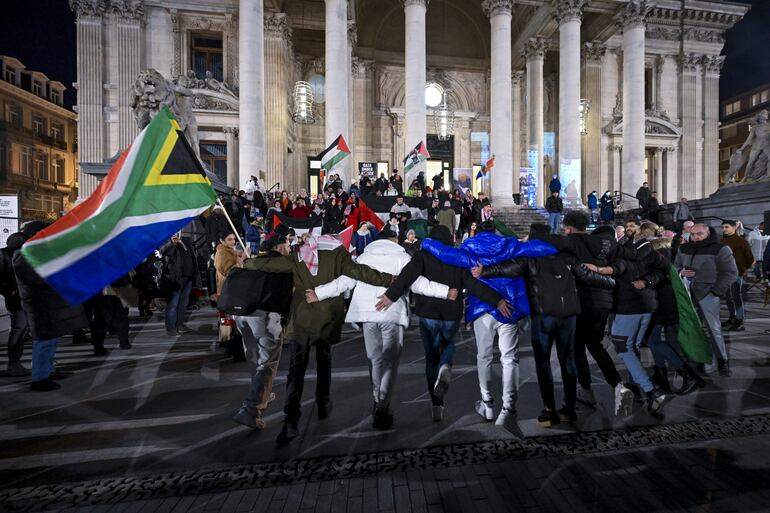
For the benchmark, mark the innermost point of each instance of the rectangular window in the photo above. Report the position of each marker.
(57, 169)
(10, 76)
(649, 88)
(729, 132)
(39, 125)
(41, 165)
(13, 114)
(57, 131)
(25, 161)
(56, 97)
(37, 88)
(207, 55)
(214, 156)
(732, 108)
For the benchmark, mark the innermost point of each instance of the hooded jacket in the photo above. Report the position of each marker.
(434, 269)
(597, 249)
(714, 265)
(490, 248)
(638, 261)
(388, 257)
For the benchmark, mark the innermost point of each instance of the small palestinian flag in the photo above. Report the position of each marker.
(334, 154)
(487, 168)
(300, 226)
(417, 155)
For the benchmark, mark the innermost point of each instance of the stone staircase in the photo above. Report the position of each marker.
(519, 219)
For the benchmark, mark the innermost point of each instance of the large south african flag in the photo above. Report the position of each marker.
(154, 189)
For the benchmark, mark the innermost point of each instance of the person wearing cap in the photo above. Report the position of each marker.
(383, 330)
(446, 217)
(318, 261)
(440, 318)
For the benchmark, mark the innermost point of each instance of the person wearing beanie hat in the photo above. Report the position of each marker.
(440, 318)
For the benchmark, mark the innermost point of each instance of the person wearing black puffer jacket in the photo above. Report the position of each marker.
(50, 316)
(638, 271)
(555, 304)
(598, 249)
(10, 291)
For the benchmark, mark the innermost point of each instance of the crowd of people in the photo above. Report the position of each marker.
(566, 286)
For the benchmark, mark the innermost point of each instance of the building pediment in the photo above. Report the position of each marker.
(653, 125)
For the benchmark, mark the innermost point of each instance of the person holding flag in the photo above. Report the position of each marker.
(335, 153)
(418, 154)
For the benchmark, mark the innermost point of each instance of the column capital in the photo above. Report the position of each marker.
(690, 62)
(535, 48)
(83, 8)
(361, 67)
(633, 14)
(593, 52)
(127, 9)
(277, 25)
(352, 33)
(568, 10)
(495, 7)
(712, 64)
(230, 130)
(421, 3)
(518, 77)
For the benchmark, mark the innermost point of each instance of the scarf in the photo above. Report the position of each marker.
(308, 252)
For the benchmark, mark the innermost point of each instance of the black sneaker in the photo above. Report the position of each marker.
(656, 399)
(567, 414)
(383, 419)
(724, 368)
(548, 418)
(44, 385)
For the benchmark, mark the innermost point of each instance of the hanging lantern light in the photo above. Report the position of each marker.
(303, 103)
(585, 106)
(444, 120)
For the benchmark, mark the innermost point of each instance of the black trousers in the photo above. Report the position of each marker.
(295, 382)
(548, 331)
(589, 335)
(109, 311)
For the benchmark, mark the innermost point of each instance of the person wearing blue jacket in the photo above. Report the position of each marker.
(488, 248)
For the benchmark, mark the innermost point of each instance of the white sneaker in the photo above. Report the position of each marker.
(485, 409)
(508, 421)
(586, 396)
(441, 386)
(438, 413)
(624, 400)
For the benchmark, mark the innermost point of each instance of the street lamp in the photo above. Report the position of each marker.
(585, 106)
(303, 103)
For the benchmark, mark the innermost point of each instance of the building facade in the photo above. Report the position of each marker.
(38, 149)
(607, 93)
(738, 115)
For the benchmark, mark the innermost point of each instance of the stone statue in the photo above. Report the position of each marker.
(215, 85)
(151, 91)
(758, 165)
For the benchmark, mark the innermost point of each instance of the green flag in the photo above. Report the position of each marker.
(503, 230)
(692, 339)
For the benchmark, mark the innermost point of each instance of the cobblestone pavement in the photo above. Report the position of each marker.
(149, 429)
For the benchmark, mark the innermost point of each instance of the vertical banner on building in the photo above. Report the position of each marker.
(9, 217)
(528, 185)
(462, 180)
(569, 175)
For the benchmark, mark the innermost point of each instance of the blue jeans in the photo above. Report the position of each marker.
(554, 219)
(177, 306)
(43, 352)
(438, 339)
(663, 350)
(627, 334)
(547, 330)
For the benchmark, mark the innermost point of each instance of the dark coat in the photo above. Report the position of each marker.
(554, 205)
(216, 226)
(179, 265)
(643, 195)
(8, 286)
(554, 185)
(49, 315)
(593, 202)
(551, 281)
(643, 265)
(607, 208)
(667, 313)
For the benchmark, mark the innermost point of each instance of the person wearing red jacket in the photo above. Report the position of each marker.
(300, 210)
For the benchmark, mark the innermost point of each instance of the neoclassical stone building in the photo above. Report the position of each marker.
(606, 93)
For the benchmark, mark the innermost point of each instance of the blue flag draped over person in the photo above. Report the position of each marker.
(489, 248)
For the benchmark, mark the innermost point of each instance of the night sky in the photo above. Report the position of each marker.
(41, 34)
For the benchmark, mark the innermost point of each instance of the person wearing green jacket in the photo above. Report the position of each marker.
(318, 261)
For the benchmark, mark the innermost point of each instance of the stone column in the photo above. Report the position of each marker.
(591, 154)
(415, 80)
(617, 163)
(351, 136)
(517, 77)
(251, 79)
(397, 125)
(657, 185)
(90, 90)
(277, 85)
(568, 13)
(337, 79)
(631, 18)
(534, 52)
(501, 123)
(689, 179)
(712, 65)
(231, 134)
(128, 52)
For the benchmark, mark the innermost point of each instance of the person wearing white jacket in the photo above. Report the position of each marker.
(758, 241)
(383, 330)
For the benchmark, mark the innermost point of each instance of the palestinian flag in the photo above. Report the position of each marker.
(300, 226)
(414, 157)
(367, 214)
(487, 168)
(690, 335)
(156, 187)
(334, 154)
